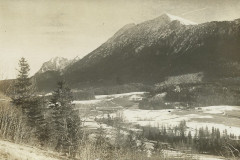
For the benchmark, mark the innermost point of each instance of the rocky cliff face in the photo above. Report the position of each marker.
(54, 64)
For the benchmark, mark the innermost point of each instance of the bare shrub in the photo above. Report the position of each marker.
(12, 124)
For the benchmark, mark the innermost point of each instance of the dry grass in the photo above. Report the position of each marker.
(89, 151)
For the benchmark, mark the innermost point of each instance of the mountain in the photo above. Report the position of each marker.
(51, 71)
(166, 46)
(54, 64)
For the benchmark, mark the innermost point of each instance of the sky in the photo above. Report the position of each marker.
(42, 29)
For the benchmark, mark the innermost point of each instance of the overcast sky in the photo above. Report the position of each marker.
(41, 29)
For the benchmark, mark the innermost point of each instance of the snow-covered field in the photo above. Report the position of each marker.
(212, 116)
(177, 154)
(209, 116)
(107, 101)
(86, 102)
(219, 109)
(119, 95)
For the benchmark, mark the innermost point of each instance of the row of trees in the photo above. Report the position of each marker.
(55, 123)
(204, 140)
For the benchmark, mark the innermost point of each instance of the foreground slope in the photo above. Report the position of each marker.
(13, 151)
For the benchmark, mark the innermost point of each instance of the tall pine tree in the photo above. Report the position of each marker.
(25, 99)
(22, 87)
(66, 120)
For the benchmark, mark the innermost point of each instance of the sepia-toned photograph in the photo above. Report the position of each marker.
(119, 79)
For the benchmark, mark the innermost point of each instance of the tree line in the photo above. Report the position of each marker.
(204, 140)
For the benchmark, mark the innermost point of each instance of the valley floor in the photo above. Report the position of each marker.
(124, 106)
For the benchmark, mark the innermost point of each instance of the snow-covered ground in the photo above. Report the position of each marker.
(12, 151)
(86, 102)
(118, 95)
(131, 96)
(210, 116)
(196, 119)
(218, 109)
(48, 94)
(135, 97)
(150, 117)
(157, 118)
(178, 154)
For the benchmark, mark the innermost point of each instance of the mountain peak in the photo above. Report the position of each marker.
(169, 17)
(56, 59)
(54, 64)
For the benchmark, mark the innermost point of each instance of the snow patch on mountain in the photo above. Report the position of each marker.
(181, 20)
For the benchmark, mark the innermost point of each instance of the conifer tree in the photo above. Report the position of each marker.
(182, 129)
(22, 87)
(31, 105)
(66, 120)
(189, 137)
(36, 118)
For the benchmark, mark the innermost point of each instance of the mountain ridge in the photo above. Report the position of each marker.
(155, 49)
